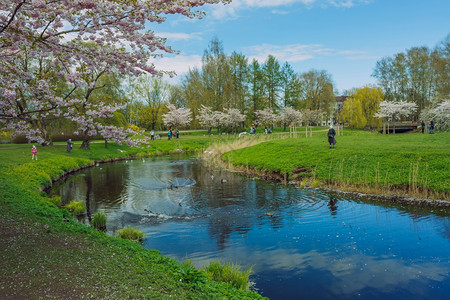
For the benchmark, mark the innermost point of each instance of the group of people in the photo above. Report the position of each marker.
(171, 133)
(430, 128)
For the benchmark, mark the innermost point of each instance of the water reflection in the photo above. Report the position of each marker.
(301, 243)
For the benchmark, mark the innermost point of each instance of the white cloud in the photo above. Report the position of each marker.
(288, 53)
(298, 52)
(180, 64)
(231, 10)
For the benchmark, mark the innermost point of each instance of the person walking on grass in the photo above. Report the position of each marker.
(33, 153)
(431, 127)
(69, 145)
(423, 126)
(331, 139)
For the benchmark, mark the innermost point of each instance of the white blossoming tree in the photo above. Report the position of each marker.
(266, 116)
(291, 117)
(234, 117)
(176, 117)
(311, 117)
(392, 111)
(209, 118)
(440, 114)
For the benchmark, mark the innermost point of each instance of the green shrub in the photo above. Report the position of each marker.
(131, 234)
(99, 221)
(76, 207)
(190, 275)
(55, 200)
(229, 273)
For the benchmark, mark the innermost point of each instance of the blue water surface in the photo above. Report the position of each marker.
(301, 243)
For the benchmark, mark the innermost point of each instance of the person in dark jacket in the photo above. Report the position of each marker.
(431, 127)
(423, 126)
(331, 139)
(69, 145)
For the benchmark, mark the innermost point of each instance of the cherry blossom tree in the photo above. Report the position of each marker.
(233, 117)
(176, 117)
(440, 114)
(266, 116)
(392, 111)
(49, 48)
(209, 118)
(312, 116)
(290, 116)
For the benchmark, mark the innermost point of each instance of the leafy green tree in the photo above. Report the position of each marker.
(291, 86)
(317, 92)
(272, 81)
(216, 76)
(256, 88)
(195, 92)
(419, 75)
(154, 92)
(360, 107)
(239, 76)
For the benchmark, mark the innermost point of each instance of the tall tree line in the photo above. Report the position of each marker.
(232, 82)
(420, 75)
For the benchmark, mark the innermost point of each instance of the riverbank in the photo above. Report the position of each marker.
(401, 166)
(46, 253)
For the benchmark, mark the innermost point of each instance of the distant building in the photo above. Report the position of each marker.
(339, 105)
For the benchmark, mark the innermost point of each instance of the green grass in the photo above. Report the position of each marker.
(99, 221)
(131, 234)
(229, 273)
(46, 252)
(400, 161)
(76, 207)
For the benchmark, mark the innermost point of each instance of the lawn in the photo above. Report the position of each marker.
(45, 253)
(401, 162)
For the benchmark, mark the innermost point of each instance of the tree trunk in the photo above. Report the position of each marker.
(85, 145)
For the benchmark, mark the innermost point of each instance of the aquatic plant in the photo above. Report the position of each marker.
(76, 207)
(99, 221)
(230, 273)
(132, 234)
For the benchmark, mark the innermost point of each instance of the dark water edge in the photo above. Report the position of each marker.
(308, 248)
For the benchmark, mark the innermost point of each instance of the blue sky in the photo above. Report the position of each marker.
(343, 37)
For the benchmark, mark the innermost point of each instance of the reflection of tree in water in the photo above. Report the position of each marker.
(105, 182)
(226, 220)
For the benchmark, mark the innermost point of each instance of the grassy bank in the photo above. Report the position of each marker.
(45, 253)
(415, 164)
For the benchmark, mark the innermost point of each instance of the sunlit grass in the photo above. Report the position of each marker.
(416, 164)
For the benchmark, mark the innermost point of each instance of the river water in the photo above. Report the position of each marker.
(302, 244)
